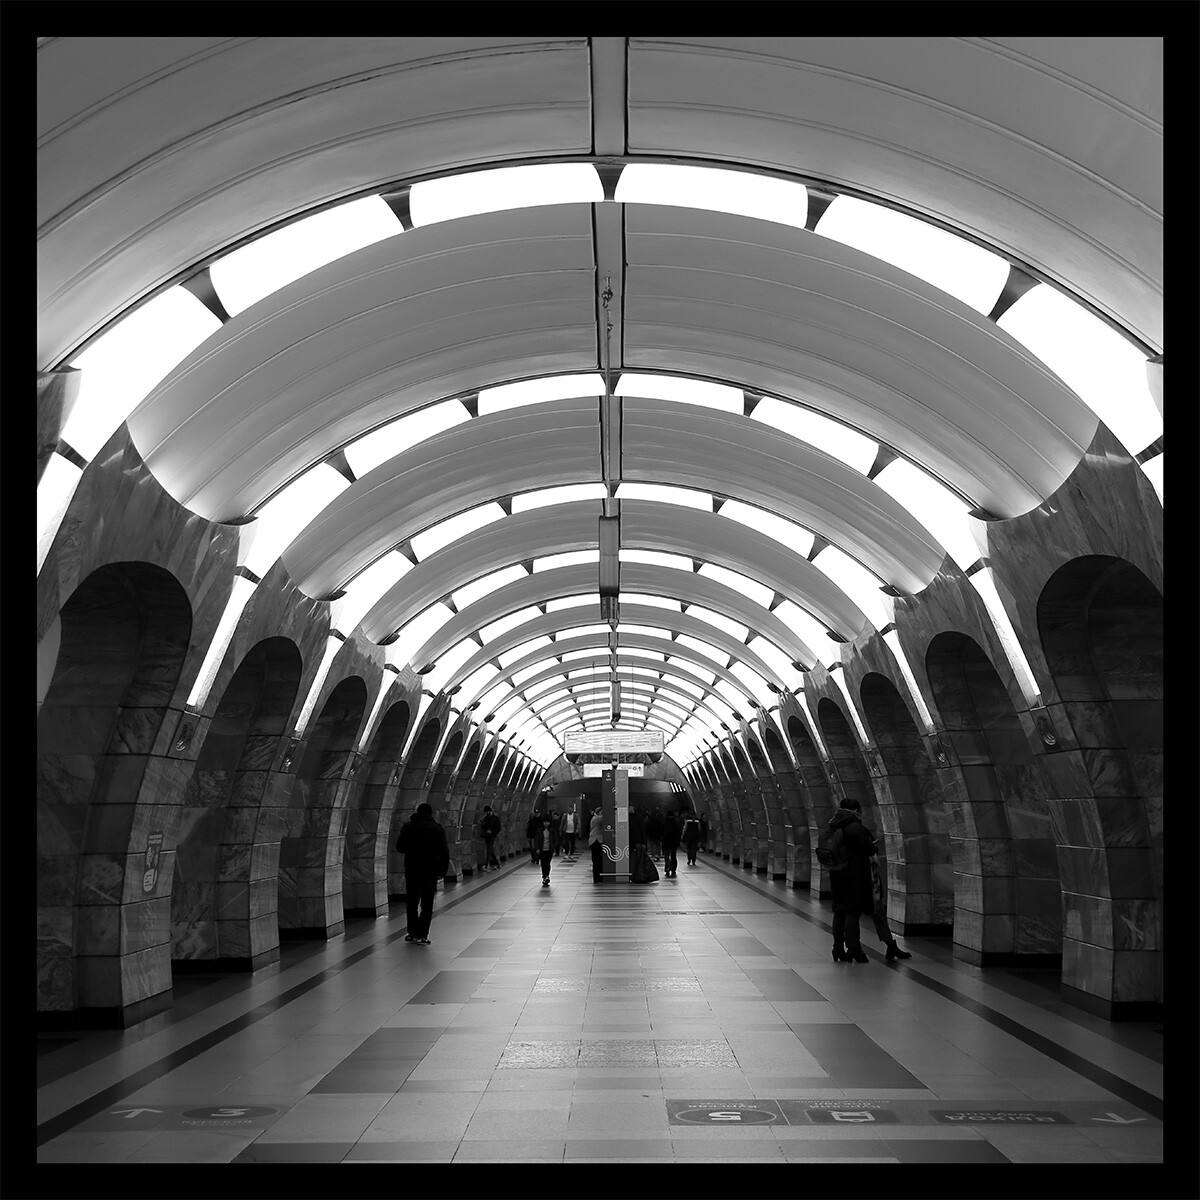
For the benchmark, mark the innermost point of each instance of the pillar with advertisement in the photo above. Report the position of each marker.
(614, 800)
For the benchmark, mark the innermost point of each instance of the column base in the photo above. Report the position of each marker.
(205, 966)
(106, 1018)
(1111, 1010)
(320, 932)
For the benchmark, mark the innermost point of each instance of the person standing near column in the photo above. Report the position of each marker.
(426, 852)
(654, 824)
(489, 826)
(691, 837)
(595, 841)
(850, 881)
(671, 829)
(568, 833)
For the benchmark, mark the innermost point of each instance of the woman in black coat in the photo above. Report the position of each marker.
(851, 885)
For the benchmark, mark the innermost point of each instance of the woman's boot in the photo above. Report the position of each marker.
(839, 953)
(894, 952)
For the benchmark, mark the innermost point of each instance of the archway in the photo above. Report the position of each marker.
(310, 856)
(770, 849)
(1101, 626)
(920, 883)
(466, 790)
(444, 809)
(369, 818)
(106, 795)
(227, 851)
(798, 866)
(819, 795)
(413, 782)
(1006, 888)
(853, 778)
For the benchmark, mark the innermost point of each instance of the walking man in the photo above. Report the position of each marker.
(422, 841)
(568, 833)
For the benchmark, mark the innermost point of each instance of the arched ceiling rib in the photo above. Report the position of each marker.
(645, 525)
(793, 314)
(545, 445)
(207, 140)
(553, 677)
(572, 692)
(637, 579)
(626, 656)
(632, 614)
(1050, 148)
(428, 314)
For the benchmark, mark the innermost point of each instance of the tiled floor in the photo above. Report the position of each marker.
(699, 1019)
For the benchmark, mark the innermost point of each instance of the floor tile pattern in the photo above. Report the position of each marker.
(699, 1020)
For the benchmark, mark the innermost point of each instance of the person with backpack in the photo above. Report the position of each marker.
(489, 827)
(845, 849)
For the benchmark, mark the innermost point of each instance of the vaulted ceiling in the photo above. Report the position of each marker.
(158, 157)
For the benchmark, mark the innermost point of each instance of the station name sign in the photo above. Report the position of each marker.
(613, 743)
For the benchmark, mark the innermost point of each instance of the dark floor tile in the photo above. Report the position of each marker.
(964, 1151)
(297, 1152)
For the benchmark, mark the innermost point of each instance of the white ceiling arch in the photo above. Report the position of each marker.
(645, 525)
(626, 656)
(1047, 150)
(637, 578)
(633, 614)
(552, 679)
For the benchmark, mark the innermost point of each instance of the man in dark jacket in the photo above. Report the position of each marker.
(489, 827)
(533, 828)
(422, 841)
(672, 828)
(850, 885)
(654, 832)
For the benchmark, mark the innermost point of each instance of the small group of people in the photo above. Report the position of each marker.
(550, 833)
(857, 887)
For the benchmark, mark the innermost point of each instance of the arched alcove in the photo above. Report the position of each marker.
(921, 877)
(1101, 626)
(312, 849)
(101, 812)
(1006, 886)
(771, 851)
(818, 794)
(368, 817)
(226, 860)
(798, 865)
(408, 796)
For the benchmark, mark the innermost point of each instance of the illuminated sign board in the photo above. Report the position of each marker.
(613, 742)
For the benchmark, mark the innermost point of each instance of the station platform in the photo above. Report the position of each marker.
(693, 1020)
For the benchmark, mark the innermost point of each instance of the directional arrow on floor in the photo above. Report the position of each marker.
(1113, 1119)
(130, 1113)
